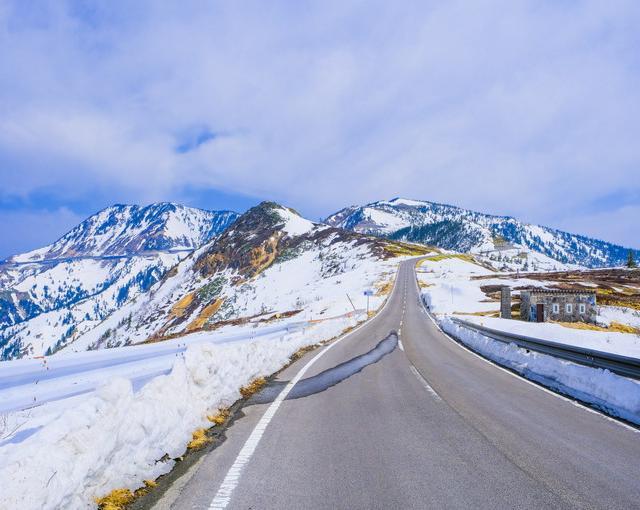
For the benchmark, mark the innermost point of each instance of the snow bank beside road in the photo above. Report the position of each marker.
(624, 344)
(116, 438)
(614, 394)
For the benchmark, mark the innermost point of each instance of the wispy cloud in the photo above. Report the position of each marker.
(529, 108)
(193, 139)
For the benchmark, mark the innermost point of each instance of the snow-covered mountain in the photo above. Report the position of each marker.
(270, 263)
(463, 230)
(51, 295)
(132, 230)
(129, 273)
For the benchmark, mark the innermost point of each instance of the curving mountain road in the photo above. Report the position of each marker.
(417, 423)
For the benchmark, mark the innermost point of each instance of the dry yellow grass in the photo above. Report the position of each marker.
(487, 313)
(443, 256)
(398, 249)
(346, 330)
(220, 418)
(614, 301)
(623, 328)
(424, 285)
(204, 315)
(301, 352)
(117, 499)
(178, 309)
(614, 327)
(120, 499)
(252, 387)
(263, 256)
(426, 259)
(384, 288)
(199, 439)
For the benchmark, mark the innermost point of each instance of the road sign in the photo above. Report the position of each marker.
(368, 293)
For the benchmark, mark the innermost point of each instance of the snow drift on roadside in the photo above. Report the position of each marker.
(615, 394)
(116, 438)
(624, 344)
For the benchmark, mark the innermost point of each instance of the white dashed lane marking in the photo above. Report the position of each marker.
(424, 383)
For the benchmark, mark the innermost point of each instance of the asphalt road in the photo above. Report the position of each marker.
(420, 423)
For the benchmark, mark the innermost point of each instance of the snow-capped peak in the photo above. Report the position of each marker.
(132, 229)
(294, 224)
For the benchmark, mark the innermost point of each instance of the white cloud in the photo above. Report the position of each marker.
(527, 108)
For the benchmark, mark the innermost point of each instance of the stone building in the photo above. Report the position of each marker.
(540, 305)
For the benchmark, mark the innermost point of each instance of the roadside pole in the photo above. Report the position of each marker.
(368, 293)
(352, 305)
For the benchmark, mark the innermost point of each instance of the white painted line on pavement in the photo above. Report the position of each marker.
(232, 478)
(424, 383)
(230, 482)
(400, 344)
(524, 379)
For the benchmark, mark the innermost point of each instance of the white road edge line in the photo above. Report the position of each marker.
(524, 379)
(424, 383)
(517, 376)
(232, 478)
(230, 482)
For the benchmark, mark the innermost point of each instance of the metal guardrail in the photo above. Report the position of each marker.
(622, 365)
(27, 383)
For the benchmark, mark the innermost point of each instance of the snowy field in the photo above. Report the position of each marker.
(449, 290)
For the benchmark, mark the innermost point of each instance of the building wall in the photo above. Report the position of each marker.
(505, 302)
(555, 307)
(525, 306)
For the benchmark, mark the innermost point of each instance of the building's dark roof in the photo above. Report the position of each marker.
(558, 291)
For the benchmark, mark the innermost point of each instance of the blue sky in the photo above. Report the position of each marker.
(527, 108)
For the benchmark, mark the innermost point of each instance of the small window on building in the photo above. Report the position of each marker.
(556, 308)
(569, 308)
(583, 308)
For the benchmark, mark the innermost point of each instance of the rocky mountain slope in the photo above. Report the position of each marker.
(51, 295)
(270, 263)
(463, 230)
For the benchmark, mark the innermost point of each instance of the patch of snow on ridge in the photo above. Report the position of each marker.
(294, 225)
(406, 201)
(385, 221)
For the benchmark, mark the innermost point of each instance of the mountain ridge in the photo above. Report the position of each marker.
(51, 295)
(227, 279)
(413, 220)
(122, 229)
